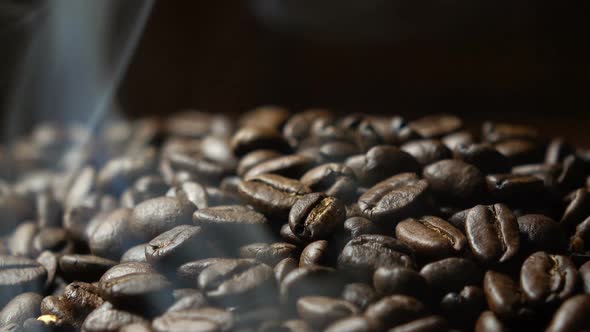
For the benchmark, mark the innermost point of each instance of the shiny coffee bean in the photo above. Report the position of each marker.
(284, 267)
(539, 232)
(431, 237)
(394, 310)
(427, 151)
(86, 268)
(451, 274)
(124, 269)
(315, 253)
(492, 233)
(399, 280)
(290, 166)
(436, 125)
(426, 324)
(157, 215)
(205, 319)
(516, 190)
(332, 179)
(21, 308)
(176, 246)
(316, 216)
(350, 324)
(572, 315)
(108, 319)
(380, 163)
(320, 311)
(578, 208)
(483, 156)
(548, 279)
(252, 138)
(83, 298)
(455, 182)
(191, 191)
(267, 253)
(488, 322)
(357, 226)
(254, 158)
(112, 237)
(503, 296)
(359, 294)
(310, 280)
(19, 275)
(135, 254)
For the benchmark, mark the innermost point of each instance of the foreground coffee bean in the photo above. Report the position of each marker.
(503, 295)
(455, 182)
(394, 310)
(233, 223)
(176, 246)
(431, 237)
(84, 267)
(316, 216)
(156, 215)
(319, 311)
(451, 274)
(21, 308)
(548, 279)
(19, 275)
(572, 315)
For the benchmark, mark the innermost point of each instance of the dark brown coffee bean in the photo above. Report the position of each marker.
(539, 232)
(581, 238)
(503, 295)
(234, 224)
(21, 241)
(364, 254)
(194, 300)
(19, 275)
(395, 199)
(483, 156)
(120, 172)
(394, 310)
(452, 141)
(108, 319)
(267, 253)
(314, 253)
(584, 272)
(290, 166)
(427, 151)
(112, 237)
(332, 179)
(135, 254)
(431, 237)
(357, 226)
(572, 315)
(21, 308)
(267, 116)
(316, 216)
(284, 267)
(451, 274)
(254, 158)
(136, 327)
(271, 194)
(520, 151)
(49, 210)
(426, 324)
(492, 233)
(157, 215)
(238, 282)
(13, 210)
(488, 322)
(83, 298)
(455, 182)
(338, 151)
(287, 235)
(436, 125)
(87, 268)
(359, 294)
(497, 132)
(399, 280)
(201, 320)
(189, 272)
(350, 324)
(52, 239)
(380, 163)
(516, 190)
(50, 262)
(176, 246)
(145, 293)
(252, 138)
(572, 174)
(578, 208)
(191, 191)
(463, 308)
(320, 311)
(297, 128)
(310, 280)
(548, 278)
(177, 167)
(124, 269)
(60, 310)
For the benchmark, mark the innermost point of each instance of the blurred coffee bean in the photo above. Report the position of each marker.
(380, 163)
(572, 315)
(315, 253)
(112, 237)
(488, 322)
(436, 125)
(21, 308)
(86, 268)
(426, 324)
(108, 319)
(427, 151)
(19, 275)
(268, 253)
(176, 246)
(394, 310)
(252, 138)
(539, 232)
(21, 241)
(350, 324)
(254, 158)
(359, 294)
(399, 280)
(455, 182)
(463, 308)
(157, 215)
(320, 311)
(332, 179)
(483, 156)
(451, 275)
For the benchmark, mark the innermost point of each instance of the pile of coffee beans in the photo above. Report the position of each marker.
(280, 221)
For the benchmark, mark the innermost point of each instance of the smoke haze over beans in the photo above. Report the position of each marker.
(295, 222)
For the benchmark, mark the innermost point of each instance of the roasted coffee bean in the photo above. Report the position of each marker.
(364, 254)
(488, 322)
(135, 254)
(310, 280)
(13, 210)
(431, 237)
(50, 262)
(87, 268)
(136, 327)
(290, 166)
(463, 308)
(234, 224)
(436, 125)
(316, 216)
(426, 324)
(338, 151)
(578, 208)
(112, 237)
(394, 310)
(578, 242)
(267, 116)
(205, 320)
(395, 199)
(19, 275)
(189, 272)
(455, 182)
(287, 234)
(539, 232)
(572, 315)
(108, 319)
(451, 274)
(267, 253)
(191, 191)
(177, 167)
(357, 226)
(557, 150)
(49, 210)
(497, 132)
(83, 298)
(350, 324)
(297, 128)
(399, 280)
(143, 189)
(124, 269)
(584, 272)
(315, 253)
(452, 141)
(271, 194)
(21, 241)
(380, 163)
(52, 239)
(548, 279)
(483, 156)
(240, 281)
(359, 294)
(145, 293)
(157, 215)
(516, 190)
(284, 267)
(332, 179)
(492, 233)
(427, 151)
(120, 172)
(253, 138)
(503, 296)
(60, 309)
(216, 197)
(21, 308)
(320, 311)
(520, 151)
(176, 246)
(194, 300)
(572, 174)
(254, 158)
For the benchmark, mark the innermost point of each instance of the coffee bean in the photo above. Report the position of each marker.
(136, 327)
(254, 158)
(297, 128)
(315, 216)
(49, 210)
(399, 280)
(290, 166)
(189, 272)
(124, 269)
(83, 298)
(572, 315)
(267, 253)
(284, 267)
(13, 210)
(108, 319)
(463, 308)
(431, 237)
(267, 116)
(488, 322)
(271, 194)
(452, 141)
(177, 167)
(239, 282)
(357, 226)
(427, 151)
(205, 319)
(176, 246)
(359, 294)
(395, 199)
(520, 151)
(546, 278)
(192, 192)
(49, 261)
(426, 324)
(320, 311)
(143, 189)
(87, 268)
(233, 223)
(315, 253)
(380, 163)
(332, 179)
(578, 208)
(21, 308)
(455, 182)
(19, 275)
(394, 310)
(337, 151)
(436, 125)
(539, 232)
(120, 172)
(252, 138)
(310, 280)
(503, 295)
(112, 236)
(194, 300)
(62, 311)
(492, 233)
(350, 324)
(157, 215)
(483, 156)
(21, 241)
(287, 234)
(451, 274)
(135, 254)
(52, 239)
(364, 254)
(584, 272)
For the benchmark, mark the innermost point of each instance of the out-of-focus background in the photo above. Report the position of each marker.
(519, 60)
